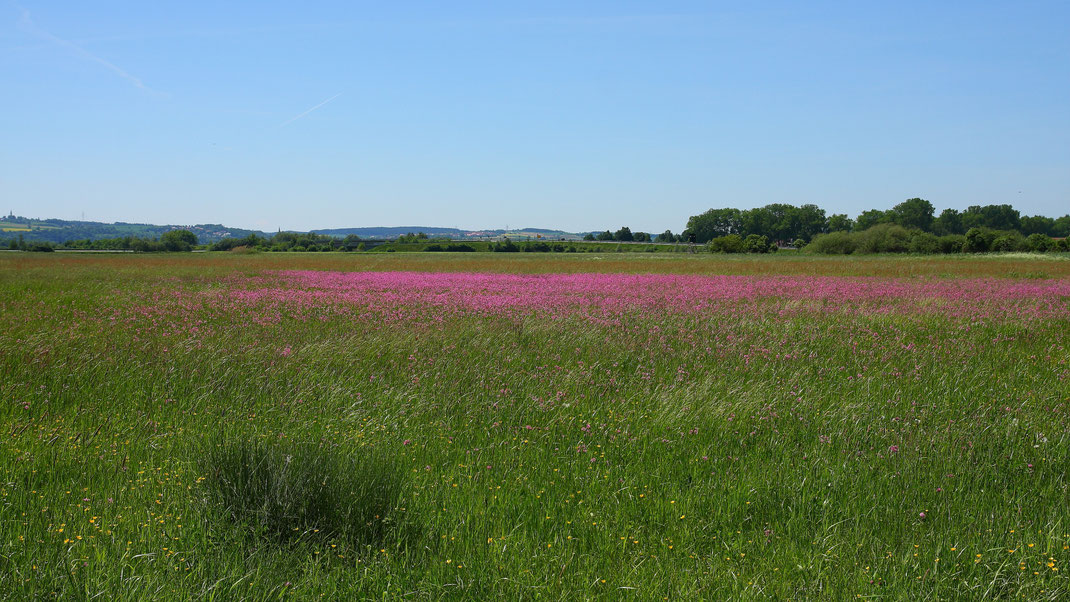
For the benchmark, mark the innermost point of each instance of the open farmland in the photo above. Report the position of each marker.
(478, 427)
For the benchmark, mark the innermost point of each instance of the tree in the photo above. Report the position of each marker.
(588, 236)
(868, 219)
(914, 213)
(711, 224)
(808, 222)
(607, 235)
(949, 222)
(1061, 227)
(641, 237)
(667, 236)
(178, 240)
(624, 235)
(350, 242)
(839, 222)
(1037, 224)
(996, 217)
(777, 221)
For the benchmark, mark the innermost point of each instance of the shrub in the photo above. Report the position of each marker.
(507, 246)
(924, 242)
(1005, 243)
(951, 243)
(731, 243)
(833, 243)
(1039, 243)
(978, 240)
(541, 247)
(290, 491)
(883, 238)
(756, 244)
(449, 248)
(40, 247)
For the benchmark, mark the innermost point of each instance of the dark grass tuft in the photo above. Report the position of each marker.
(290, 491)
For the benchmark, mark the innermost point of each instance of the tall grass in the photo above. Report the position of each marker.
(158, 448)
(291, 491)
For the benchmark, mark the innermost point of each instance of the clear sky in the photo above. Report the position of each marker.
(571, 115)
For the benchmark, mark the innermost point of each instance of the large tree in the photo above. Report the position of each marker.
(1061, 227)
(776, 221)
(839, 222)
(868, 219)
(711, 224)
(178, 240)
(997, 217)
(949, 222)
(1037, 224)
(914, 213)
(809, 222)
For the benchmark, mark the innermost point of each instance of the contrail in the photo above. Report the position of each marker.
(27, 24)
(295, 118)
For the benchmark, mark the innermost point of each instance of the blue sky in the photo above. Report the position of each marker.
(566, 115)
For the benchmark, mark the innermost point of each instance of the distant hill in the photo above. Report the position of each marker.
(61, 231)
(452, 233)
(390, 231)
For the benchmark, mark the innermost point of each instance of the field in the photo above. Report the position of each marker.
(478, 426)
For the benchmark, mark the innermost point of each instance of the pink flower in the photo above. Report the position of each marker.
(893, 449)
(406, 442)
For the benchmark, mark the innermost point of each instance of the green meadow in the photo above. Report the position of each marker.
(434, 426)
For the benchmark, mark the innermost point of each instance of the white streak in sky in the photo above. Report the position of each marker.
(28, 25)
(296, 117)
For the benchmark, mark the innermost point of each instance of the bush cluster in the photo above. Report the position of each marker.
(450, 248)
(734, 243)
(892, 238)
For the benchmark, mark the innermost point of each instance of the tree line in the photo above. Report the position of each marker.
(911, 226)
(787, 224)
(290, 241)
(171, 241)
(625, 234)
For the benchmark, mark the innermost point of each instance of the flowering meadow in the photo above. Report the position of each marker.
(353, 427)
